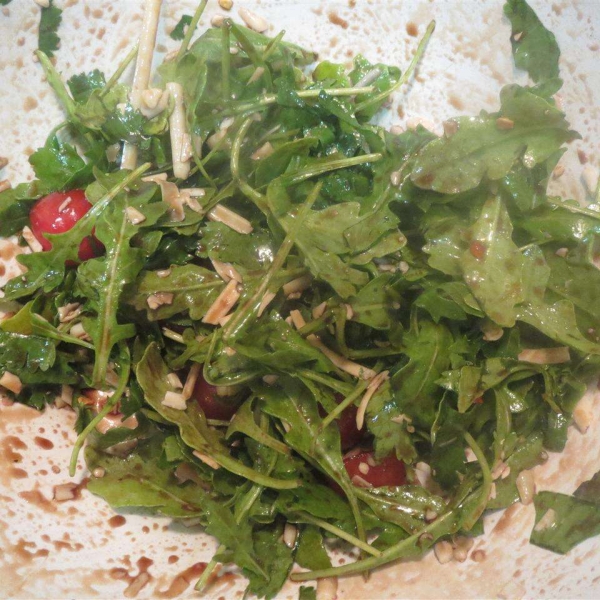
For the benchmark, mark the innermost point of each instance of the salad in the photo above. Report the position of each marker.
(280, 320)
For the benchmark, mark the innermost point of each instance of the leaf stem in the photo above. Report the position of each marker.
(244, 186)
(110, 404)
(120, 70)
(56, 83)
(269, 99)
(342, 406)
(191, 29)
(340, 533)
(406, 75)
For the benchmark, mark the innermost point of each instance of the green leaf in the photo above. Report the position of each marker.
(48, 40)
(178, 32)
(311, 553)
(563, 522)
(105, 278)
(479, 148)
(59, 167)
(138, 481)
(275, 559)
(294, 406)
(559, 323)
(375, 304)
(15, 204)
(493, 265)
(194, 289)
(82, 85)
(415, 390)
(534, 47)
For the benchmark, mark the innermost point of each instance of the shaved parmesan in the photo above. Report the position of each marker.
(170, 195)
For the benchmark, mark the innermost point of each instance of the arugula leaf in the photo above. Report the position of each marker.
(50, 19)
(493, 265)
(138, 481)
(103, 279)
(178, 32)
(534, 47)
(481, 148)
(562, 522)
(415, 389)
(275, 559)
(194, 289)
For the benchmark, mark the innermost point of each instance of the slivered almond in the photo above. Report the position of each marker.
(64, 492)
(174, 400)
(327, 588)
(371, 389)
(174, 381)
(170, 195)
(31, 240)
(266, 300)
(134, 216)
(297, 285)
(226, 216)
(190, 380)
(265, 150)
(223, 304)
(207, 460)
(253, 21)
(226, 271)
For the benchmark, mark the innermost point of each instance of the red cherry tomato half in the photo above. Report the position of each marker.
(350, 436)
(387, 472)
(55, 213)
(213, 406)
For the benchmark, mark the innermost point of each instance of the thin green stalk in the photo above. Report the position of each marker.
(326, 380)
(269, 99)
(597, 192)
(241, 316)
(225, 60)
(346, 402)
(340, 533)
(332, 165)
(244, 186)
(273, 43)
(191, 29)
(110, 404)
(405, 76)
(56, 83)
(120, 70)
(486, 485)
